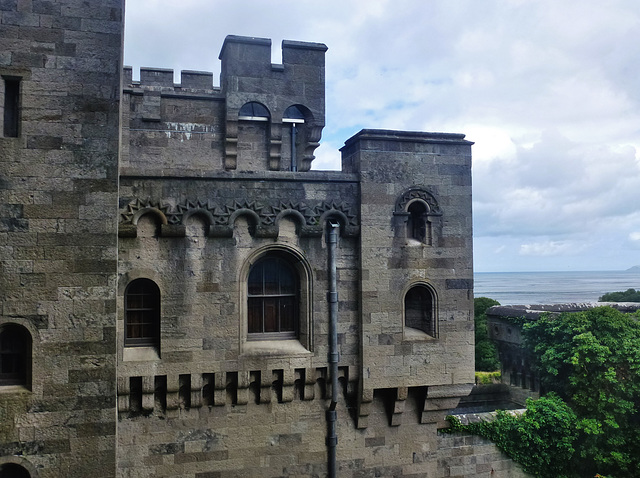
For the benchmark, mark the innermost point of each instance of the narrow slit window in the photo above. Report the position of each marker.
(11, 107)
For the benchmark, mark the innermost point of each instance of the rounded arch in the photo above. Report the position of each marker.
(205, 214)
(295, 216)
(414, 194)
(420, 308)
(293, 259)
(153, 211)
(16, 354)
(17, 467)
(254, 111)
(297, 113)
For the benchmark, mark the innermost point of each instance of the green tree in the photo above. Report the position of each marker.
(591, 359)
(630, 295)
(542, 439)
(486, 351)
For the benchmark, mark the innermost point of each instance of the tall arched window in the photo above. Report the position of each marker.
(142, 314)
(15, 355)
(273, 299)
(420, 310)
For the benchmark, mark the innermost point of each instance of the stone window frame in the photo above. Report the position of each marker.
(413, 333)
(408, 220)
(302, 343)
(17, 332)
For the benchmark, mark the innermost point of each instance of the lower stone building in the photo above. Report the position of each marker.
(181, 295)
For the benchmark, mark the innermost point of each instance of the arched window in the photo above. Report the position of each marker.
(418, 226)
(253, 111)
(15, 355)
(142, 314)
(273, 299)
(13, 470)
(420, 310)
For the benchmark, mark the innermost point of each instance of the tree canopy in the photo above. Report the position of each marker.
(629, 295)
(486, 351)
(589, 421)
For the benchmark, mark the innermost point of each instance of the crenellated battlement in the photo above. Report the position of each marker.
(163, 77)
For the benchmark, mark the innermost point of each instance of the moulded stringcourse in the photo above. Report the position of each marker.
(220, 217)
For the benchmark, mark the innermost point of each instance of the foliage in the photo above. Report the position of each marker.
(630, 295)
(591, 359)
(589, 422)
(542, 439)
(485, 378)
(486, 351)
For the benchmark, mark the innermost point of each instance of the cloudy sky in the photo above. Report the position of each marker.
(548, 90)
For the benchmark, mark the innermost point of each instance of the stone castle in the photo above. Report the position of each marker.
(181, 295)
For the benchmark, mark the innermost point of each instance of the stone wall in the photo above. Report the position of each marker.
(204, 189)
(58, 259)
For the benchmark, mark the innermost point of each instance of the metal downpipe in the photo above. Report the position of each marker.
(332, 297)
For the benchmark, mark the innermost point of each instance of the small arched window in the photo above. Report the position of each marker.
(420, 310)
(253, 111)
(418, 226)
(13, 470)
(273, 298)
(15, 355)
(142, 314)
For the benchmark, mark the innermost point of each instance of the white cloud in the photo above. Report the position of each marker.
(548, 91)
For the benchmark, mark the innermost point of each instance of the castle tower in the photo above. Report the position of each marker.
(60, 65)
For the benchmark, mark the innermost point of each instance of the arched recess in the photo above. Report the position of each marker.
(300, 138)
(418, 216)
(254, 132)
(276, 299)
(420, 309)
(16, 355)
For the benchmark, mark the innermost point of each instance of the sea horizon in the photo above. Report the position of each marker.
(552, 287)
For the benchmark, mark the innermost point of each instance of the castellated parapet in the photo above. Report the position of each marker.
(182, 295)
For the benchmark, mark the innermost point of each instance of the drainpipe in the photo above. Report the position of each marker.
(294, 160)
(332, 298)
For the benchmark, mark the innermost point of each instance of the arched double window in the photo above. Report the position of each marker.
(142, 314)
(15, 355)
(420, 311)
(273, 297)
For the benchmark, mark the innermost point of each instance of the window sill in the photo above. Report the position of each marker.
(274, 348)
(417, 335)
(140, 354)
(14, 389)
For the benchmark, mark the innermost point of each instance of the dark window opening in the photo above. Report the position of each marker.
(272, 299)
(419, 310)
(142, 314)
(12, 470)
(11, 107)
(15, 355)
(253, 111)
(418, 227)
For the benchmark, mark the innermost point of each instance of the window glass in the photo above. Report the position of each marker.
(273, 298)
(142, 313)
